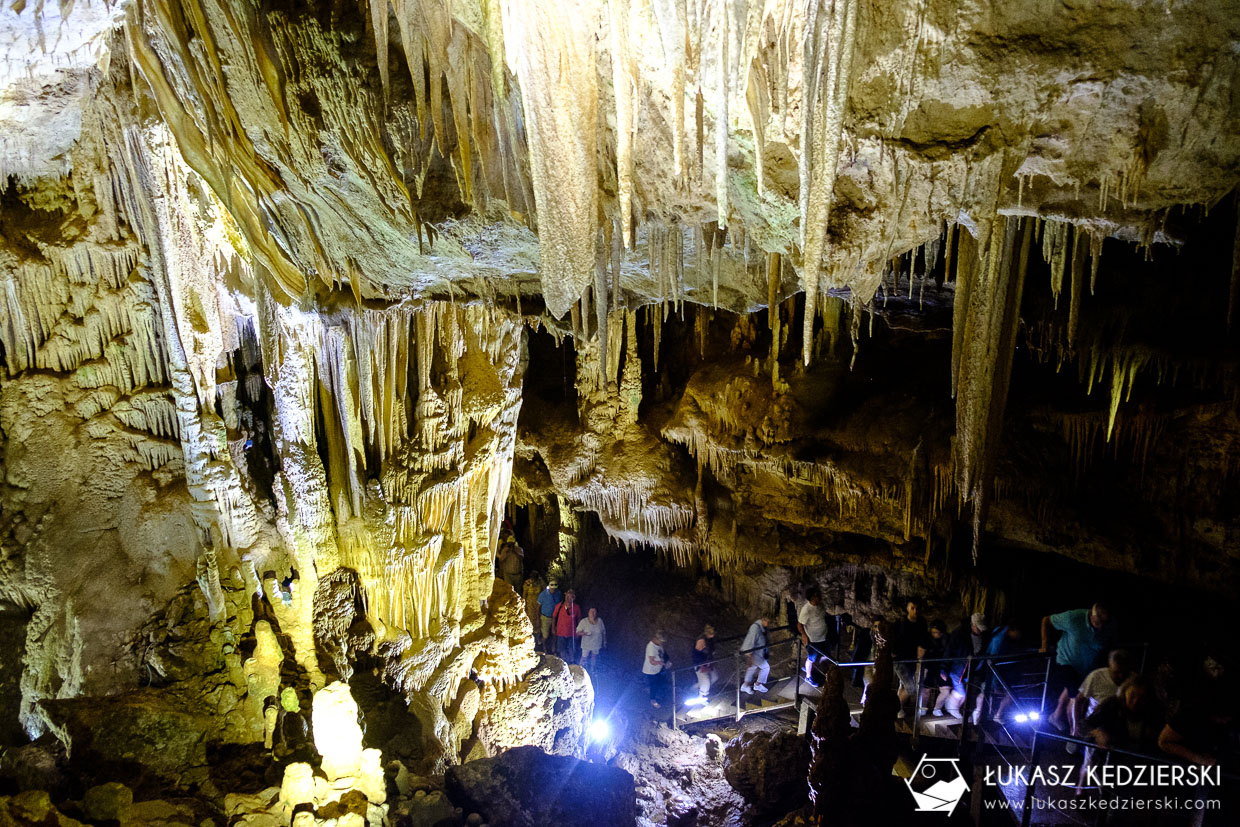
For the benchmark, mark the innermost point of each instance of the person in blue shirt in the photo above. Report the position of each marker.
(1085, 634)
(548, 599)
(1005, 641)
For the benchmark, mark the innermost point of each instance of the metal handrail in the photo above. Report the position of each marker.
(1027, 809)
(739, 666)
(730, 656)
(1160, 759)
(1024, 656)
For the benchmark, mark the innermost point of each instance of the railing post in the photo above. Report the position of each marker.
(965, 708)
(739, 709)
(1026, 815)
(675, 704)
(915, 740)
(797, 695)
(1046, 682)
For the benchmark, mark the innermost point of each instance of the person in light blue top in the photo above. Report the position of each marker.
(1085, 634)
(548, 599)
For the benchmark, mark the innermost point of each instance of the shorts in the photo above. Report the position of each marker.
(546, 627)
(906, 674)
(1062, 677)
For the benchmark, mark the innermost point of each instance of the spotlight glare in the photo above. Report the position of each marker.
(1033, 716)
(1021, 718)
(600, 730)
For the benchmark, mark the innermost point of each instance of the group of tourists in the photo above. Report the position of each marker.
(559, 624)
(1095, 692)
(564, 632)
(1100, 695)
(656, 665)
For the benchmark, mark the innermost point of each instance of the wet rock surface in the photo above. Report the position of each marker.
(525, 787)
(678, 780)
(769, 770)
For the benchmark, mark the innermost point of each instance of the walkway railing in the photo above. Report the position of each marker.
(1200, 794)
(1018, 682)
(1027, 698)
(784, 656)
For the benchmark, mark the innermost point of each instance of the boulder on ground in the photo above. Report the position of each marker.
(526, 787)
(770, 770)
(105, 802)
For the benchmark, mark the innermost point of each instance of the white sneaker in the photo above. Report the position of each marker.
(747, 689)
(938, 713)
(761, 688)
(900, 715)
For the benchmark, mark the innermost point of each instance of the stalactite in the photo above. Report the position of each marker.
(600, 307)
(722, 35)
(1078, 279)
(986, 341)
(759, 106)
(656, 317)
(624, 83)
(672, 24)
(830, 47)
(555, 65)
(1095, 256)
(1055, 252)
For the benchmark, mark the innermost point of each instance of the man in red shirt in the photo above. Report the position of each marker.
(564, 620)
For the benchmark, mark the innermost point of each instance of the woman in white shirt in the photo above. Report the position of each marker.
(652, 667)
(593, 638)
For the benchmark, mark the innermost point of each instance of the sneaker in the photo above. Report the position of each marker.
(900, 715)
(938, 713)
(747, 689)
(760, 689)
